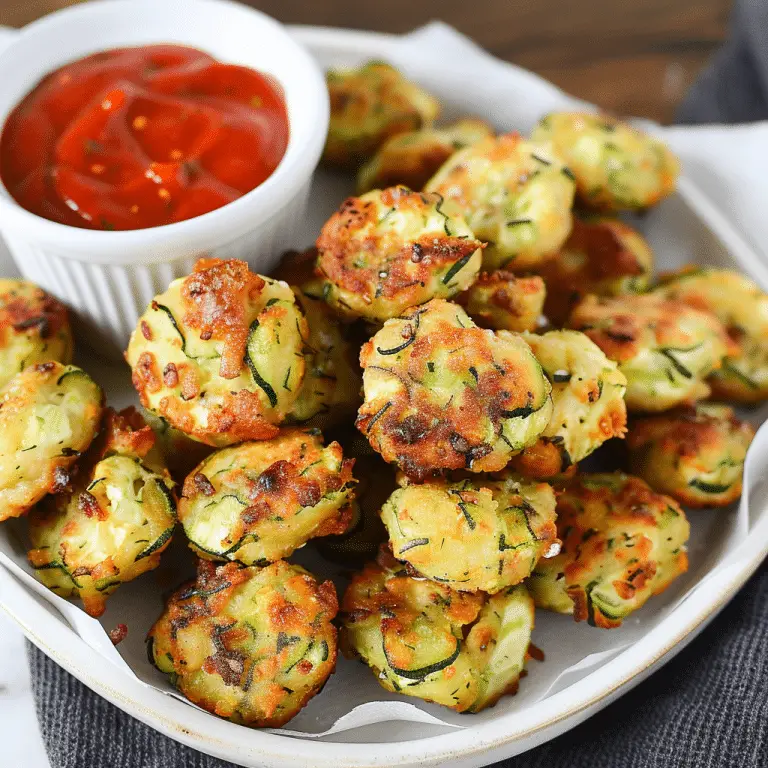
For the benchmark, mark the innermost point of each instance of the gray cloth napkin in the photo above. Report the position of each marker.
(709, 707)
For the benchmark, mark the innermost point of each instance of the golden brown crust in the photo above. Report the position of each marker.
(216, 294)
(621, 544)
(38, 313)
(259, 501)
(439, 391)
(378, 269)
(502, 301)
(695, 454)
(665, 348)
(220, 354)
(256, 660)
(598, 258)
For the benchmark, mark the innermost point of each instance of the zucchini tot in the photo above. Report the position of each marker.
(252, 645)
(34, 328)
(49, 414)
(501, 301)
(469, 536)
(622, 543)
(220, 355)
(413, 158)
(516, 195)
(368, 105)
(392, 249)
(441, 393)
(115, 522)
(603, 256)
(696, 455)
(259, 501)
(588, 403)
(424, 639)
(330, 392)
(742, 307)
(616, 166)
(665, 348)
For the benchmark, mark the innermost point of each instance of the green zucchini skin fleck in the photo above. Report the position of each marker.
(427, 640)
(484, 535)
(259, 501)
(695, 454)
(221, 355)
(248, 644)
(114, 523)
(613, 559)
(441, 393)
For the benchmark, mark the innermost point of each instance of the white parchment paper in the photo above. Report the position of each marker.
(469, 81)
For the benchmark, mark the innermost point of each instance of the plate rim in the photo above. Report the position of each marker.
(503, 736)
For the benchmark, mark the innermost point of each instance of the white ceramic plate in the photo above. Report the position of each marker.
(726, 547)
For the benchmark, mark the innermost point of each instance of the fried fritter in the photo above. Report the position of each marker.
(441, 393)
(515, 194)
(617, 167)
(330, 392)
(603, 256)
(220, 354)
(393, 249)
(501, 301)
(252, 645)
(665, 348)
(115, 522)
(413, 158)
(696, 455)
(621, 544)
(742, 308)
(587, 398)
(49, 414)
(368, 105)
(424, 639)
(34, 328)
(258, 502)
(471, 536)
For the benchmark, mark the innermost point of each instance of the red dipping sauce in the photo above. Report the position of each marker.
(139, 137)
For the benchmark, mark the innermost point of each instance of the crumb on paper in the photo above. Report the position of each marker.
(118, 634)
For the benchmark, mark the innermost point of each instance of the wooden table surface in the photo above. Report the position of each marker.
(627, 56)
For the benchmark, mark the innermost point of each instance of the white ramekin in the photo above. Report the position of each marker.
(108, 278)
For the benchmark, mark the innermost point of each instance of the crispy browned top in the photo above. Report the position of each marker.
(216, 295)
(39, 313)
(623, 326)
(687, 431)
(358, 257)
(604, 256)
(383, 589)
(421, 432)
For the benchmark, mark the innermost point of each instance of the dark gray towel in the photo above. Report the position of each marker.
(708, 709)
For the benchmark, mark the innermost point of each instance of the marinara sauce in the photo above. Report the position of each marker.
(139, 137)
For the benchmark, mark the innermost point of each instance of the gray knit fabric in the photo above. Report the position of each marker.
(708, 708)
